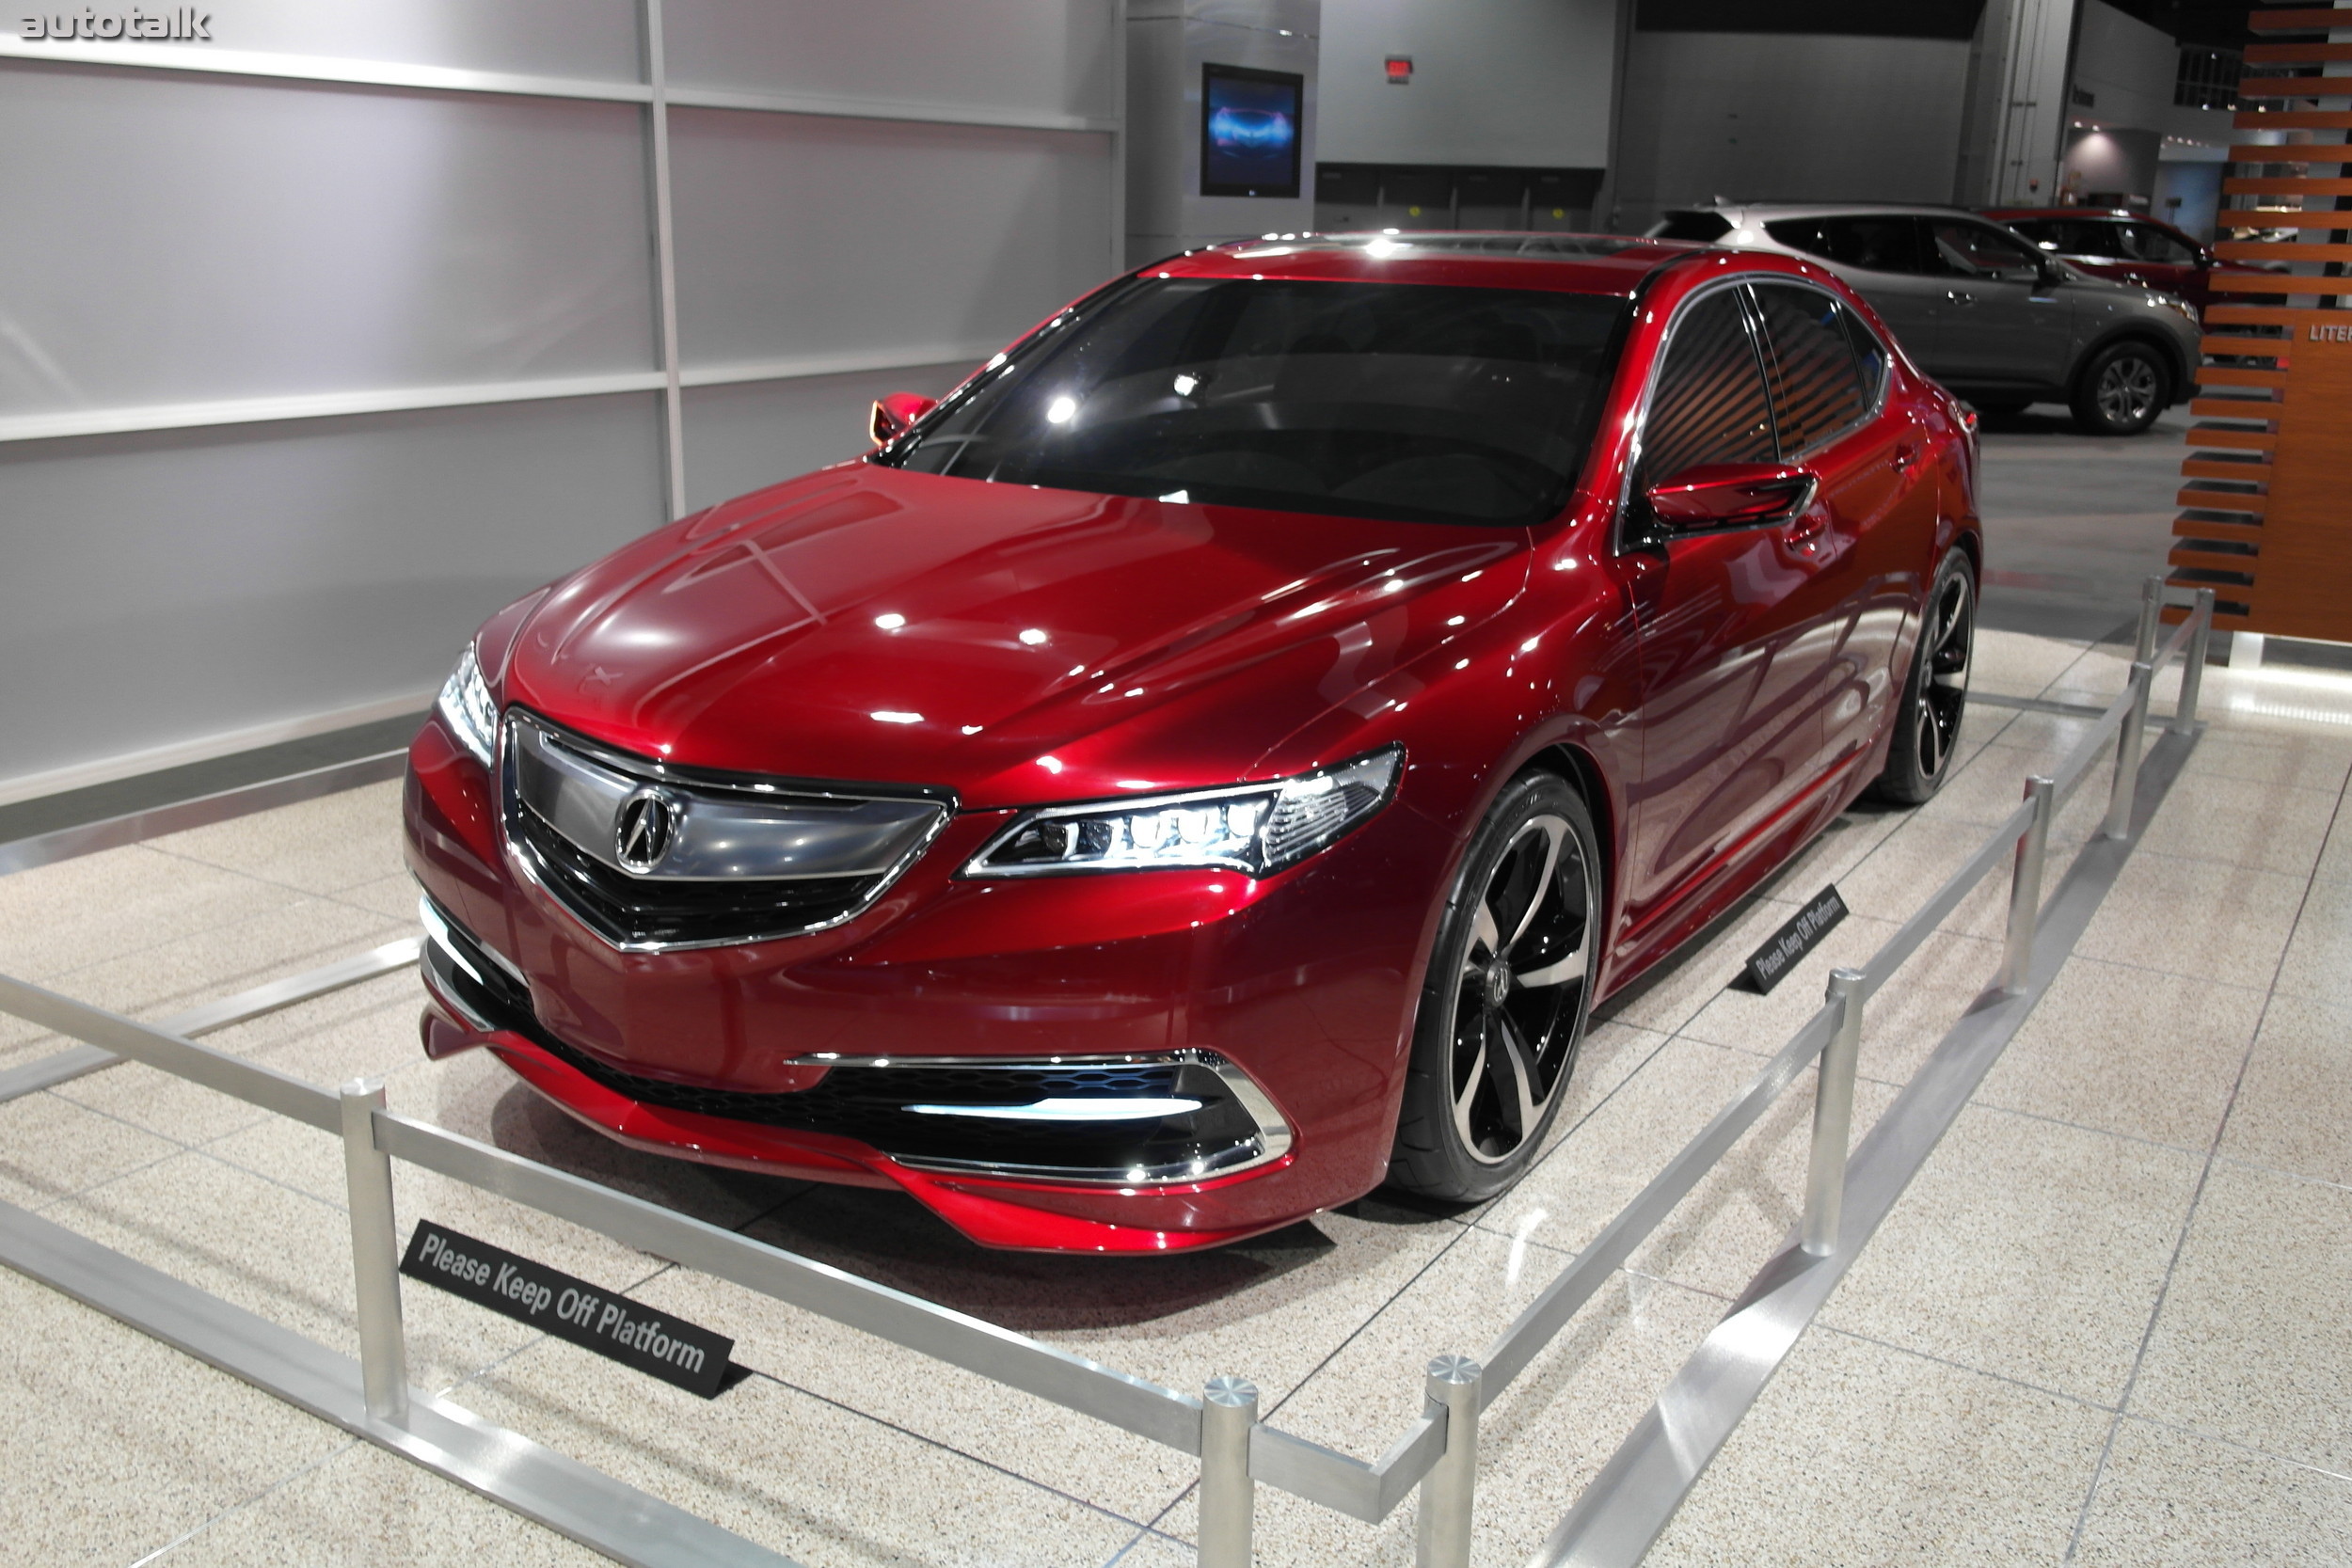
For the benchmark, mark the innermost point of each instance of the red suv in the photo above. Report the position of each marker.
(2126, 246)
(1211, 763)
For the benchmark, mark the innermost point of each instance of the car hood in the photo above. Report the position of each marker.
(1012, 643)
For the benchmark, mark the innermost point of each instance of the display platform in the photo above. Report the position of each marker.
(2123, 1254)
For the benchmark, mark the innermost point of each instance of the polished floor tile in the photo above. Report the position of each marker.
(2130, 1051)
(2025, 1249)
(56, 918)
(797, 1473)
(365, 1508)
(2318, 962)
(50, 1148)
(2253, 1344)
(2199, 918)
(114, 1444)
(1859, 1454)
(324, 846)
(2291, 1109)
(2170, 1499)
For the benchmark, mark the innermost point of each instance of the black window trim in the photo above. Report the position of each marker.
(1886, 371)
(1627, 538)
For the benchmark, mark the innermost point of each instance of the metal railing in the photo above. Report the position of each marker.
(1437, 1451)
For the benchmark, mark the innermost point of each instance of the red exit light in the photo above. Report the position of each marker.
(1400, 70)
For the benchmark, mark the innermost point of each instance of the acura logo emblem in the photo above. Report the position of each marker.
(642, 834)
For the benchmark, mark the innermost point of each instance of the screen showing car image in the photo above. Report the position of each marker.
(1250, 131)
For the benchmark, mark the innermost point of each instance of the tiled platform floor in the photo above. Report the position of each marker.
(2106, 1325)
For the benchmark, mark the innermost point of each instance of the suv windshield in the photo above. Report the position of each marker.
(1371, 400)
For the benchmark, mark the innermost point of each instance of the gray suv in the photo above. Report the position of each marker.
(1988, 314)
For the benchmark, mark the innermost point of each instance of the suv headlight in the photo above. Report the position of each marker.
(468, 708)
(1258, 829)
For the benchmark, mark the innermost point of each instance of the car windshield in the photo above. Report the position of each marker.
(1373, 400)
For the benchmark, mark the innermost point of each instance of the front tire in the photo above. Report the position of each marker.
(1504, 1005)
(1935, 694)
(2122, 389)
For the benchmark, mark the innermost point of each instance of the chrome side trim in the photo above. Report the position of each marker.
(1273, 1140)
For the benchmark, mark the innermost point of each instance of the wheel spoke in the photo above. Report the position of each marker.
(1554, 831)
(1930, 743)
(1471, 1083)
(1482, 933)
(1512, 1070)
(1560, 973)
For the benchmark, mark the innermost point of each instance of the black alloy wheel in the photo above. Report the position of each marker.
(2122, 390)
(1926, 727)
(1509, 990)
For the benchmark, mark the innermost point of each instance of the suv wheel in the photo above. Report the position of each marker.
(2122, 389)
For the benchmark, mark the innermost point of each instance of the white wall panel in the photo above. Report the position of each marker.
(163, 588)
(1044, 56)
(1513, 82)
(591, 39)
(184, 238)
(194, 244)
(1787, 117)
(800, 235)
(745, 438)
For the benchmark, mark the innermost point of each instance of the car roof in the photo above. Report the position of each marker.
(1568, 263)
(1825, 209)
(2066, 213)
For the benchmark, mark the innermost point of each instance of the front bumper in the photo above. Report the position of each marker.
(1261, 1024)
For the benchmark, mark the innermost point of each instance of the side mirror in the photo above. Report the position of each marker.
(895, 413)
(1730, 495)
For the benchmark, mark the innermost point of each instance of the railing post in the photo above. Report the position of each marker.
(2127, 751)
(1833, 1116)
(2025, 885)
(1228, 1498)
(2193, 672)
(2151, 618)
(374, 1253)
(1442, 1539)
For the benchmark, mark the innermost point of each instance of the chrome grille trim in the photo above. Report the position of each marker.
(828, 851)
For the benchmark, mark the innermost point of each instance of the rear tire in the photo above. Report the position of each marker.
(2122, 388)
(1503, 1006)
(1935, 693)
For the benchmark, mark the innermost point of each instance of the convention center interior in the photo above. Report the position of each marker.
(1176, 783)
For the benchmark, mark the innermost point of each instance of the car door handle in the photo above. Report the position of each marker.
(1958, 297)
(1904, 456)
(1802, 530)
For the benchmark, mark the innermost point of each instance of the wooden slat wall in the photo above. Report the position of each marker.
(2267, 491)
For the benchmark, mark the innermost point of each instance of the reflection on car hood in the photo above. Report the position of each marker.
(1016, 644)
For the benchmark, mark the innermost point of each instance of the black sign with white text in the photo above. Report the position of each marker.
(1793, 941)
(589, 1316)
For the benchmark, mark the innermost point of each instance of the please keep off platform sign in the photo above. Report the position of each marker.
(589, 1316)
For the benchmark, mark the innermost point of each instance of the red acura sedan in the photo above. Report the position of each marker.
(1213, 761)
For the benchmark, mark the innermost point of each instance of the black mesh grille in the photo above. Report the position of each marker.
(649, 910)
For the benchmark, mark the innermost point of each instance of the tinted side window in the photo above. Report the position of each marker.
(1981, 250)
(2148, 243)
(1710, 405)
(1817, 387)
(1879, 244)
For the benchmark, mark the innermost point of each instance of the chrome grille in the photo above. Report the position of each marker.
(736, 858)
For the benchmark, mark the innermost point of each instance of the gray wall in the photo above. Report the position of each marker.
(1787, 117)
(301, 377)
(1519, 82)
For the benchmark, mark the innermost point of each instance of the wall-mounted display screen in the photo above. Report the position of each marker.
(1251, 122)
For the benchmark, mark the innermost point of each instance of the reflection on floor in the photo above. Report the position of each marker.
(2105, 1326)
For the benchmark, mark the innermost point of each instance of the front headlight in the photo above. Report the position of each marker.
(1258, 829)
(468, 708)
(2178, 305)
